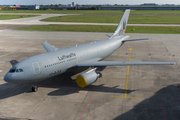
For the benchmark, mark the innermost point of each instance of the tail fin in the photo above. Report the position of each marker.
(121, 28)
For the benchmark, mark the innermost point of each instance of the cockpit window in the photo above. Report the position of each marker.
(17, 70)
(20, 70)
(12, 70)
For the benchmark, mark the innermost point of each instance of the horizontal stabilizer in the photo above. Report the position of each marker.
(136, 39)
(108, 35)
(121, 63)
(48, 47)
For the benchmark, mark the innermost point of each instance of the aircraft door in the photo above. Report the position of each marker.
(36, 68)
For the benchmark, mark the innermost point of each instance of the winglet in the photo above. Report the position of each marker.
(177, 62)
(108, 35)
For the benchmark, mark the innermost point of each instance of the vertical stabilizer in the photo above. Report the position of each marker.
(121, 28)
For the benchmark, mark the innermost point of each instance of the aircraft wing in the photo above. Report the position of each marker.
(48, 47)
(121, 63)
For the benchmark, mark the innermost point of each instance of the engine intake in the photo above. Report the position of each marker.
(87, 78)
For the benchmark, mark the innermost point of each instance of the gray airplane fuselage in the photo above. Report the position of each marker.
(46, 65)
(55, 61)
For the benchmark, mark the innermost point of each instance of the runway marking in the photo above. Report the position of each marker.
(125, 95)
(128, 71)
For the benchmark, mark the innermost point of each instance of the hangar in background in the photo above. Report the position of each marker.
(145, 6)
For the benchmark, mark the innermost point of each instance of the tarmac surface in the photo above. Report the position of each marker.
(146, 93)
(36, 21)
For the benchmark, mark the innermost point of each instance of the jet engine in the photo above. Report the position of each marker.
(88, 78)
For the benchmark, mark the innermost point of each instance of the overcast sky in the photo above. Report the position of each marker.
(27, 2)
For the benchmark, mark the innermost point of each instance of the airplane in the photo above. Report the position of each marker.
(56, 62)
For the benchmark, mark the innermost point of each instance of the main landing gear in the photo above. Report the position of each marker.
(34, 88)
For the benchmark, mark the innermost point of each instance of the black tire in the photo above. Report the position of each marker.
(34, 89)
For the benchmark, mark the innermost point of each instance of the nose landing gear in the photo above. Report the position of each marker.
(34, 88)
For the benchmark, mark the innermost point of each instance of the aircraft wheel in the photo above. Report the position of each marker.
(34, 89)
(100, 75)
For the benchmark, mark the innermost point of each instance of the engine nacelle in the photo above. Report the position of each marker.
(87, 78)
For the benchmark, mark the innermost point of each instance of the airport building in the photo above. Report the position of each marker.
(73, 6)
(145, 6)
(19, 7)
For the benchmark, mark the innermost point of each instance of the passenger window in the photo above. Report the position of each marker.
(20, 70)
(17, 70)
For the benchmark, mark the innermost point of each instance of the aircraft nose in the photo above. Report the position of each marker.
(14, 78)
(7, 77)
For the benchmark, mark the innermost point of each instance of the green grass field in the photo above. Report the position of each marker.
(106, 29)
(6, 17)
(115, 19)
(93, 11)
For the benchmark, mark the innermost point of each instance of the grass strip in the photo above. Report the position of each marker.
(115, 19)
(7, 17)
(106, 29)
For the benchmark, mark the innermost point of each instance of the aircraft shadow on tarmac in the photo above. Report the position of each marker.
(163, 105)
(67, 85)
(64, 82)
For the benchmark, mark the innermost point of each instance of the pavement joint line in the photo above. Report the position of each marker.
(87, 104)
(130, 48)
(79, 93)
(156, 75)
(167, 50)
(163, 111)
(7, 54)
(164, 102)
(41, 102)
